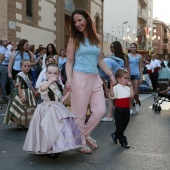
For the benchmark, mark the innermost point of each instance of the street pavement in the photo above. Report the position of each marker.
(147, 133)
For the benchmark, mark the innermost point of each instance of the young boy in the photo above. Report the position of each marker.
(121, 93)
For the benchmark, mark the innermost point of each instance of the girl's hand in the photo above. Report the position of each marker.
(23, 99)
(129, 83)
(68, 85)
(112, 80)
(53, 79)
(36, 94)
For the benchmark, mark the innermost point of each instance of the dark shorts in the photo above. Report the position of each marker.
(135, 77)
(14, 73)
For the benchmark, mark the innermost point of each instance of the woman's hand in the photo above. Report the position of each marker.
(9, 75)
(112, 80)
(140, 81)
(68, 85)
(23, 99)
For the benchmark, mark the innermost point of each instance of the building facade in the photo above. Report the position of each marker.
(128, 22)
(161, 38)
(44, 21)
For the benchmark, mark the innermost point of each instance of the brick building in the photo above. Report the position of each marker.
(44, 21)
(162, 44)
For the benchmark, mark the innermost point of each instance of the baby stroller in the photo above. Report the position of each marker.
(158, 100)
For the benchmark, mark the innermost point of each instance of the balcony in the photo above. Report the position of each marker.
(142, 16)
(166, 36)
(144, 2)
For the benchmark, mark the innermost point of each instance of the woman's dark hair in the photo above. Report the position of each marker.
(20, 48)
(54, 51)
(78, 36)
(118, 51)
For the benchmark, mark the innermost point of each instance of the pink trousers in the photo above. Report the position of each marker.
(87, 89)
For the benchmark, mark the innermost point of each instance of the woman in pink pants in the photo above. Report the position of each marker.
(83, 55)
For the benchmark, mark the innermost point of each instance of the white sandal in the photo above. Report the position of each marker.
(85, 149)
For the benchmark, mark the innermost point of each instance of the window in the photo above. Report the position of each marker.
(149, 13)
(97, 25)
(29, 8)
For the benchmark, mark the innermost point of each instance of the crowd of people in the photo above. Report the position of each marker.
(81, 76)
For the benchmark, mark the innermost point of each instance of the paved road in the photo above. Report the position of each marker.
(147, 133)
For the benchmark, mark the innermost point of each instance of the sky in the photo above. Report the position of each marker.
(161, 10)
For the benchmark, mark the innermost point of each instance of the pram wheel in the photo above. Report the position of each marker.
(159, 108)
(156, 108)
(153, 107)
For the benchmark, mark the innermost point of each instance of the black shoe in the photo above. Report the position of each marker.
(139, 103)
(125, 145)
(114, 138)
(5, 98)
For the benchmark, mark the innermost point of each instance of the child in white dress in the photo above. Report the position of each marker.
(52, 128)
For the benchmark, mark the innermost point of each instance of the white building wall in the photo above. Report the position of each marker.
(47, 15)
(95, 8)
(34, 35)
(117, 12)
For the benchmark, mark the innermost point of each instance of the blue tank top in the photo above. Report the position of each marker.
(18, 58)
(86, 58)
(112, 64)
(134, 64)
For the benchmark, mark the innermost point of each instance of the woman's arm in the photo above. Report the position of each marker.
(56, 59)
(140, 69)
(2, 57)
(104, 67)
(127, 63)
(32, 58)
(70, 60)
(10, 64)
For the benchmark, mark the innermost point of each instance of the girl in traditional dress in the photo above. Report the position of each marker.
(52, 128)
(22, 102)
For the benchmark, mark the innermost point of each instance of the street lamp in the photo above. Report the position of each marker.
(122, 27)
(125, 22)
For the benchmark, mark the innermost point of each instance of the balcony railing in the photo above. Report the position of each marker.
(144, 2)
(142, 15)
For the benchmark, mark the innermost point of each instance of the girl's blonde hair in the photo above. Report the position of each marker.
(24, 60)
(120, 72)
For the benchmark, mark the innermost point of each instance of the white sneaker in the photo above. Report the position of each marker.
(137, 107)
(132, 112)
(106, 119)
